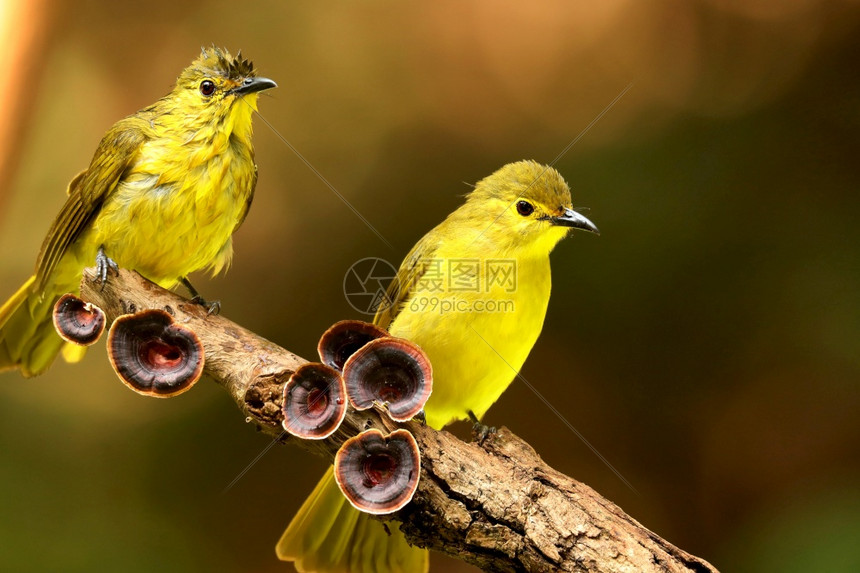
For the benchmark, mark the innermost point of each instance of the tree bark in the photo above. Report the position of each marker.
(495, 504)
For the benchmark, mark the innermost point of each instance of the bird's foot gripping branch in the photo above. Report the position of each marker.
(496, 505)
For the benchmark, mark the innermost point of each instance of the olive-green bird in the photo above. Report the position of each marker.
(165, 191)
(473, 294)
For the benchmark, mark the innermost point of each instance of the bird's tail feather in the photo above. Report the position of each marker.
(15, 300)
(328, 535)
(27, 337)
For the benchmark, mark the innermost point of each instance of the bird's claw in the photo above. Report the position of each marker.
(482, 431)
(479, 430)
(213, 307)
(421, 417)
(104, 264)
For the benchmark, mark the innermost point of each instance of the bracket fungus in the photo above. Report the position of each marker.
(153, 355)
(314, 401)
(344, 338)
(78, 322)
(391, 371)
(378, 474)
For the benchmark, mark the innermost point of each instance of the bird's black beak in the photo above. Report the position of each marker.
(571, 218)
(251, 85)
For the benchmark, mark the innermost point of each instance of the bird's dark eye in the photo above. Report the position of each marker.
(525, 208)
(207, 87)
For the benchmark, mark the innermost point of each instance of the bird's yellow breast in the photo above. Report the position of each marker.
(477, 339)
(176, 208)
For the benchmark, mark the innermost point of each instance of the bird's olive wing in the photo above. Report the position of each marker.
(413, 267)
(87, 191)
(75, 182)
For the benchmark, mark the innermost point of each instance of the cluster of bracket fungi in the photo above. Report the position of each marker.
(151, 353)
(361, 365)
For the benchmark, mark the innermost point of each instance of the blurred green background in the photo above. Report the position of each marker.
(706, 343)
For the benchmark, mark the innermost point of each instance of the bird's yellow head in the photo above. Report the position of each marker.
(217, 90)
(525, 205)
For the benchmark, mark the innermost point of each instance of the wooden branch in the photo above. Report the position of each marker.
(496, 504)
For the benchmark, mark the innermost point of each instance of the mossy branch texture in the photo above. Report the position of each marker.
(495, 504)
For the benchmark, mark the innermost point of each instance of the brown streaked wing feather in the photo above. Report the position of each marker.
(116, 153)
(413, 267)
(54, 246)
(76, 180)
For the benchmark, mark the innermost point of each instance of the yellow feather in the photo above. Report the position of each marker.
(163, 194)
(479, 330)
(73, 353)
(441, 301)
(328, 535)
(15, 300)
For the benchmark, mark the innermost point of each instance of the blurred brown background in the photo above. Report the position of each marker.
(706, 343)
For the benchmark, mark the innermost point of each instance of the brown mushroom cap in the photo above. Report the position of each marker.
(77, 321)
(343, 338)
(153, 355)
(314, 401)
(378, 474)
(389, 371)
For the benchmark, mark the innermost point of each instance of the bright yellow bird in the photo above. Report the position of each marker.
(165, 190)
(473, 294)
